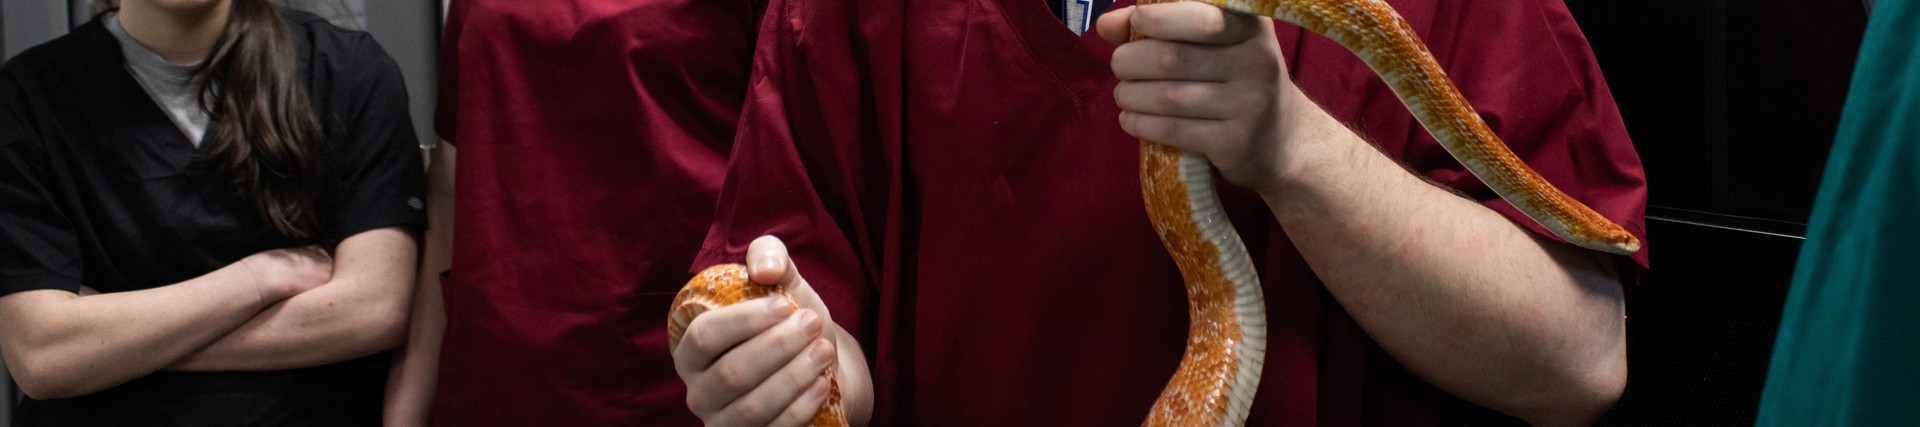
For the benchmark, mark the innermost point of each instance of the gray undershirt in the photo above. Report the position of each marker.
(171, 86)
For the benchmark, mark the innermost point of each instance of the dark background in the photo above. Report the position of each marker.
(1733, 106)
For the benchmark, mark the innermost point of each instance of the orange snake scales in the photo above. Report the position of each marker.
(726, 284)
(1226, 342)
(1227, 338)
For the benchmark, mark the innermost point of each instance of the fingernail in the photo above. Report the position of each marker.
(779, 306)
(767, 262)
(822, 351)
(810, 321)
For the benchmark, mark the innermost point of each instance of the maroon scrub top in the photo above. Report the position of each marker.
(593, 135)
(951, 176)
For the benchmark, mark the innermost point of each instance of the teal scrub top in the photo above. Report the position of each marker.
(1850, 334)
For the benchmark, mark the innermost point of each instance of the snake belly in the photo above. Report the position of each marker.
(727, 284)
(1217, 377)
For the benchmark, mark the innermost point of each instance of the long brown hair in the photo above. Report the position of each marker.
(266, 137)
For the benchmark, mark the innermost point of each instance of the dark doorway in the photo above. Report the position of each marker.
(1732, 105)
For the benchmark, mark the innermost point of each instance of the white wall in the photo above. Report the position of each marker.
(410, 32)
(30, 22)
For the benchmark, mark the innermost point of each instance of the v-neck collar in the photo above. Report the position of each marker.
(1082, 62)
(135, 116)
(1078, 61)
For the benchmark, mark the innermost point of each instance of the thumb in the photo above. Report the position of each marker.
(1114, 26)
(768, 263)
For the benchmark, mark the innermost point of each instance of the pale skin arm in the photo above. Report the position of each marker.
(416, 367)
(361, 311)
(1462, 296)
(58, 344)
(760, 362)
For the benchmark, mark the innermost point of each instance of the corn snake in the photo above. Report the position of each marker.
(1220, 371)
(1226, 344)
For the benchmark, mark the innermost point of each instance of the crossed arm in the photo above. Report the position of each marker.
(246, 316)
(362, 311)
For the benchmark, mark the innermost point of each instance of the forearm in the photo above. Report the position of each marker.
(330, 324)
(60, 345)
(410, 384)
(1456, 292)
(363, 310)
(416, 367)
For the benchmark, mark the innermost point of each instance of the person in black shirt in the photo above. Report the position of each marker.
(208, 216)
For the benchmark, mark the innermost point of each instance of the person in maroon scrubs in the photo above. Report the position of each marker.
(592, 136)
(957, 183)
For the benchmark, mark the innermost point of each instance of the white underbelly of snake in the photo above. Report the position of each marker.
(1226, 342)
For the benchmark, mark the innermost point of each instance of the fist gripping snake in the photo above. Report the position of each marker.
(1226, 341)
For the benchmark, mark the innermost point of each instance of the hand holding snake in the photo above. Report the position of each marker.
(1249, 120)
(764, 349)
(1233, 126)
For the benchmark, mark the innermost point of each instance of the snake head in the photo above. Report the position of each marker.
(1621, 243)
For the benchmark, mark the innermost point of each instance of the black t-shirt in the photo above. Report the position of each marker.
(99, 188)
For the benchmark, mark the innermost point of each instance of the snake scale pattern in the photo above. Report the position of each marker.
(1226, 342)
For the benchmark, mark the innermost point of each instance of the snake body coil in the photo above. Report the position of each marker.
(726, 284)
(1226, 342)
